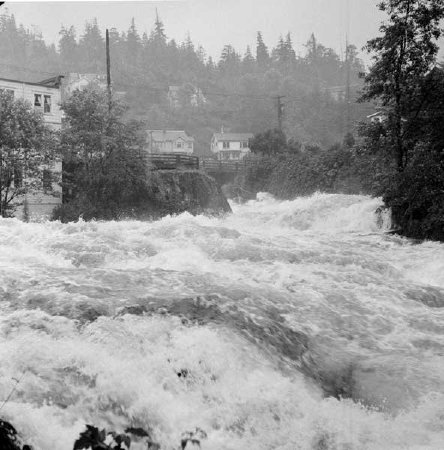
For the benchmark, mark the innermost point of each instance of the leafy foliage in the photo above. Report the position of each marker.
(104, 173)
(95, 439)
(9, 439)
(269, 142)
(194, 437)
(26, 145)
(403, 56)
(409, 143)
(298, 170)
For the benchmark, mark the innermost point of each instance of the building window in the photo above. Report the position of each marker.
(190, 145)
(179, 144)
(18, 177)
(38, 100)
(244, 144)
(47, 104)
(225, 144)
(47, 180)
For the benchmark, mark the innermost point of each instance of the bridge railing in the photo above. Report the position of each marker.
(215, 166)
(171, 161)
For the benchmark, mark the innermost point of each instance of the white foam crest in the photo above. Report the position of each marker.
(319, 265)
(326, 213)
(124, 370)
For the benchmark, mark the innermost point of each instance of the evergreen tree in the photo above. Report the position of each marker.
(133, 45)
(92, 49)
(158, 35)
(248, 62)
(262, 56)
(68, 49)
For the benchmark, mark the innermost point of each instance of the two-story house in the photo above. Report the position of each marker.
(45, 97)
(230, 146)
(169, 141)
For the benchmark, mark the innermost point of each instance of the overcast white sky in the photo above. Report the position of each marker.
(214, 23)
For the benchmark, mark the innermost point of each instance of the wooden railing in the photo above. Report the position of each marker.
(171, 161)
(215, 166)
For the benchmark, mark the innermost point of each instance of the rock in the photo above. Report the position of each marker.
(174, 192)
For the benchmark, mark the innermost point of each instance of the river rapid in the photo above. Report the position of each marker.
(285, 325)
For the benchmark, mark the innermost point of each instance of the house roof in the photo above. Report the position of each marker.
(168, 135)
(232, 136)
(43, 83)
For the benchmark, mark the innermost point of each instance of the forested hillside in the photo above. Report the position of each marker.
(238, 91)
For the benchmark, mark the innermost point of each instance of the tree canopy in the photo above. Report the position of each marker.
(26, 145)
(104, 171)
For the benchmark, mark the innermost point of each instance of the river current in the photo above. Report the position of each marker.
(286, 325)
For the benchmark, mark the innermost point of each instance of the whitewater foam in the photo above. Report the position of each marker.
(296, 298)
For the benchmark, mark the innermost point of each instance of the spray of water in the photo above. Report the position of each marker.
(286, 325)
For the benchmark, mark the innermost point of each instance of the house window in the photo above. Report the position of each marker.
(179, 144)
(47, 104)
(244, 144)
(226, 144)
(190, 145)
(38, 100)
(47, 180)
(18, 177)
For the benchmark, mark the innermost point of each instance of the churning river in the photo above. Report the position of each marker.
(285, 325)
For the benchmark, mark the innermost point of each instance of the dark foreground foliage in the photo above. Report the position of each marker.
(95, 439)
(9, 439)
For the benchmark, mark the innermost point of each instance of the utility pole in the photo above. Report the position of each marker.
(347, 68)
(1, 183)
(108, 70)
(280, 110)
(347, 89)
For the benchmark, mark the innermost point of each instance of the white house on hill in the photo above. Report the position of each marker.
(45, 97)
(169, 141)
(230, 146)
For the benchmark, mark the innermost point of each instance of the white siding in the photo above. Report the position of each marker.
(26, 91)
(40, 204)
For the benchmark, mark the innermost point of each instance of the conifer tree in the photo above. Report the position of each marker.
(68, 48)
(262, 55)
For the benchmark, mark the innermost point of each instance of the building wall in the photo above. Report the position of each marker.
(169, 146)
(40, 204)
(26, 91)
(235, 151)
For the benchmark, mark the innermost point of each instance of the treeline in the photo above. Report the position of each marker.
(145, 65)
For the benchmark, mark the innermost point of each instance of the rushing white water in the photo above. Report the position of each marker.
(286, 325)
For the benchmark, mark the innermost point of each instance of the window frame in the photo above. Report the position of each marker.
(37, 97)
(45, 104)
(47, 180)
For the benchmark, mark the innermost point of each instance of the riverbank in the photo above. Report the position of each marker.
(165, 192)
(415, 196)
